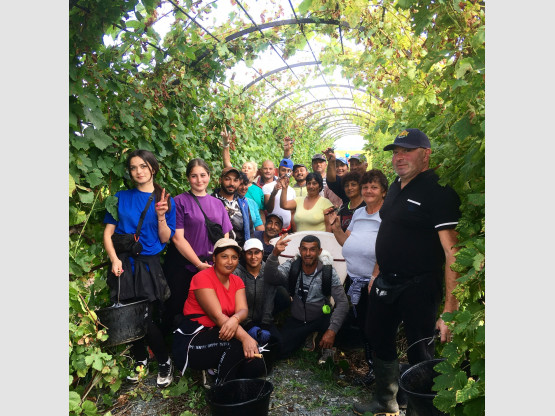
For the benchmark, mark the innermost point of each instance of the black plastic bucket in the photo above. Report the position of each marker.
(240, 397)
(125, 322)
(417, 383)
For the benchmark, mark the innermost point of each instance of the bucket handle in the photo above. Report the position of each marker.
(243, 359)
(432, 338)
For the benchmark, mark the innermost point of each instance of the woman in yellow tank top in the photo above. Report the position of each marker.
(309, 209)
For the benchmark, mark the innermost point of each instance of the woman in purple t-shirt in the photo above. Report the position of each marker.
(191, 249)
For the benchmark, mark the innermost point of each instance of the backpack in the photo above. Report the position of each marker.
(295, 271)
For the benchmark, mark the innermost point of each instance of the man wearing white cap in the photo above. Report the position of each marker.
(259, 322)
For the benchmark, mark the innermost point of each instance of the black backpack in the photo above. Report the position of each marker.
(295, 271)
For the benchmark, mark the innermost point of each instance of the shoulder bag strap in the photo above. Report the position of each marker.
(198, 203)
(138, 232)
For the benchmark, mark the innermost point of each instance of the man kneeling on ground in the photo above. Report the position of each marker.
(311, 280)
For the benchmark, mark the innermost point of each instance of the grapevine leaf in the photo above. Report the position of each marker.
(111, 206)
(74, 400)
(95, 116)
(71, 185)
(86, 197)
(94, 178)
(305, 6)
(101, 139)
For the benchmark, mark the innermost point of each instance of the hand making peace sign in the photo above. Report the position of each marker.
(280, 245)
(162, 205)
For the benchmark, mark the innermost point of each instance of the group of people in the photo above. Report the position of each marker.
(215, 292)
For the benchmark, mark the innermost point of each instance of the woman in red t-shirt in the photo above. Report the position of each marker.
(209, 335)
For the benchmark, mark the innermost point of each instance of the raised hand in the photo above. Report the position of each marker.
(226, 137)
(280, 245)
(329, 153)
(162, 205)
(284, 182)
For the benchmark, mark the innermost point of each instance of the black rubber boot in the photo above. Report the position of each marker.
(384, 402)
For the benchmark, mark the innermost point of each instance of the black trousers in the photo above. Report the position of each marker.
(294, 332)
(153, 338)
(208, 351)
(179, 280)
(417, 308)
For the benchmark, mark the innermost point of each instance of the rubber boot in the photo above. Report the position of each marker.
(384, 402)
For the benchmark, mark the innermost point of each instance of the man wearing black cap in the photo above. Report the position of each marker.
(415, 249)
(272, 228)
(237, 207)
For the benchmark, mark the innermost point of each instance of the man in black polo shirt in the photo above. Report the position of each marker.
(415, 248)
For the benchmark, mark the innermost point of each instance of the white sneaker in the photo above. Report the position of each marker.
(165, 374)
(140, 371)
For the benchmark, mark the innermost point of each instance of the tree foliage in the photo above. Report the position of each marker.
(424, 61)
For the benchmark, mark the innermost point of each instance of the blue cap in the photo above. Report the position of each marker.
(342, 160)
(288, 163)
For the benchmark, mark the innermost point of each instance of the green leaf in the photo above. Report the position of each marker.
(89, 408)
(94, 178)
(479, 38)
(111, 205)
(305, 6)
(101, 139)
(71, 185)
(95, 116)
(404, 4)
(445, 400)
(475, 407)
(86, 198)
(463, 128)
(478, 200)
(463, 66)
(76, 216)
(74, 400)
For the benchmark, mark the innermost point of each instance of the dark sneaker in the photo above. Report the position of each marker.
(209, 378)
(165, 374)
(327, 353)
(140, 371)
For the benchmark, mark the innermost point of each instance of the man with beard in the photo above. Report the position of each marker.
(311, 280)
(237, 207)
(299, 173)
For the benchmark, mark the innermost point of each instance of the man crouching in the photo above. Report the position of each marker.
(311, 280)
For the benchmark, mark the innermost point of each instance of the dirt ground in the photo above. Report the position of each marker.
(300, 387)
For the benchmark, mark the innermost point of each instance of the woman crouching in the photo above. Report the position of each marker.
(210, 335)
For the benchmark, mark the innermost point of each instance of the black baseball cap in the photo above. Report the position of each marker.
(298, 165)
(319, 156)
(410, 139)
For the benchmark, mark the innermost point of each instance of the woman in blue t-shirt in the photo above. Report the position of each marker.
(132, 277)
